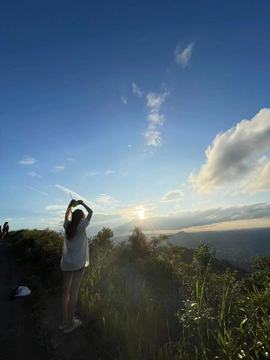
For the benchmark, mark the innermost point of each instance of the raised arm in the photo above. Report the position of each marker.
(68, 211)
(90, 211)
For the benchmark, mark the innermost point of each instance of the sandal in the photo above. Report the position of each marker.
(76, 323)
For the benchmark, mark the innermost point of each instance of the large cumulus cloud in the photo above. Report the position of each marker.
(235, 154)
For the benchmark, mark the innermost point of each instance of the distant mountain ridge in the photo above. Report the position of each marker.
(240, 247)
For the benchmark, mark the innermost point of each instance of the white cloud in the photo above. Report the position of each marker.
(34, 174)
(153, 137)
(76, 196)
(91, 173)
(154, 101)
(209, 216)
(183, 56)
(172, 195)
(107, 200)
(105, 218)
(38, 191)
(99, 220)
(27, 160)
(106, 210)
(124, 100)
(136, 90)
(259, 179)
(58, 168)
(155, 118)
(233, 154)
(109, 172)
(56, 207)
(70, 159)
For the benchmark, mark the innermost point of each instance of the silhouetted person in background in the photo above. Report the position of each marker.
(75, 258)
(0, 232)
(5, 229)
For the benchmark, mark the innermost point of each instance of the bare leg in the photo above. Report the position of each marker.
(65, 297)
(75, 284)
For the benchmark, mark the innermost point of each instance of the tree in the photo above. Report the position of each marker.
(202, 256)
(138, 242)
(103, 239)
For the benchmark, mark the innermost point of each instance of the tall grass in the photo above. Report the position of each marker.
(149, 301)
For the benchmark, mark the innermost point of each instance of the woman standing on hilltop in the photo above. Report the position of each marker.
(74, 259)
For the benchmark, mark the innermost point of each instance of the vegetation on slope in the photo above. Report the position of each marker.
(162, 302)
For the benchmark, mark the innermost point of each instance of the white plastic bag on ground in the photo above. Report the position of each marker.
(23, 291)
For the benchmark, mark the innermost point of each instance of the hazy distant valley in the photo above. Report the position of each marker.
(240, 247)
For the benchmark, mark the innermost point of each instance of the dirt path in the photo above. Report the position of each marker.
(18, 334)
(77, 345)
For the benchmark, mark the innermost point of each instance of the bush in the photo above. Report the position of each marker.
(41, 248)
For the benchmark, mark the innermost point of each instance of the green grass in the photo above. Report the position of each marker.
(162, 302)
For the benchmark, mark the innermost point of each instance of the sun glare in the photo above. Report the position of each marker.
(141, 213)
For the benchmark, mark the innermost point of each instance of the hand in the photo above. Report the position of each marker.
(72, 203)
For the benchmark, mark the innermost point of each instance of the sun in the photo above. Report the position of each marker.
(140, 213)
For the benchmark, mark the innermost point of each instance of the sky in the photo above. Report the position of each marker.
(148, 110)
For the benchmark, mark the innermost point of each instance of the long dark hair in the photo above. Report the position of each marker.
(71, 229)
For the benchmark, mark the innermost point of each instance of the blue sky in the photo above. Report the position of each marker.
(119, 101)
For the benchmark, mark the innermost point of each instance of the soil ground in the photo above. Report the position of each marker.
(19, 339)
(29, 325)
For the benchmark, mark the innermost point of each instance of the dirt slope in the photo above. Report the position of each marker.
(29, 325)
(18, 332)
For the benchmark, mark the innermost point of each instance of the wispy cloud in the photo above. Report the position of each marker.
(27, 160)
(124, 100)
(104, 204)
(136, 90)
(154, 101)
(56, 208)
(107, 201)
(109, 172)
(182, 56)
(57, 212)
(173, 195)
(155, 118)
(95, 173)
(70, 159)
(123, 173)
(185, 219)
(235, 155)
(76, 195)
(153, 137)
(58, 168)
(91, 173)
(34, 174)
(38, 191)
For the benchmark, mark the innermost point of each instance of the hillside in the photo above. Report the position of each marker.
(145, 300)
(240, 247)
